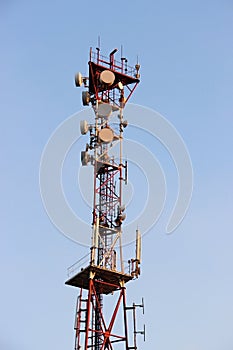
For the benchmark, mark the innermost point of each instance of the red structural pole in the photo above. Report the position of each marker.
(88, 312)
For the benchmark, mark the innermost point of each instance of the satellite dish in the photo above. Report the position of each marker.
(78, 79)
(104, 110)
(84, 127)
(85, 158)
(106, 135)
(85, 98)
(107, 77)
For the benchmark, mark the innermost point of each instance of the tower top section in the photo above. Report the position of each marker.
(108, 87)
(109, 81)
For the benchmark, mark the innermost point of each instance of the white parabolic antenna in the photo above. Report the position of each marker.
(107, 77)
(84, 127)
(78, 79)
(106, 135)
(85, 98)
(104, 110)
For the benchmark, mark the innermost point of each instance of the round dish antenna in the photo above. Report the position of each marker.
(85, 98)
(107, 77)
(106, 135)
(85, 158)
(78, 79)
(104, 110)
(84, 127)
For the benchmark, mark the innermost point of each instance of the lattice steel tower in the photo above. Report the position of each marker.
(109, 86)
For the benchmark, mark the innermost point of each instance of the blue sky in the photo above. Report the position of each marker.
(185, 50)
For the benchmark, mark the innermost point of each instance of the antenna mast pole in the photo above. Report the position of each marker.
(109, 85)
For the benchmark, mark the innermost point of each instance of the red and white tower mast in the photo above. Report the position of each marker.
(109, 86)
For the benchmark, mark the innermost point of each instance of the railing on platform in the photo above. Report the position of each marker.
(85, 261)
(78, 265)
(118, 66)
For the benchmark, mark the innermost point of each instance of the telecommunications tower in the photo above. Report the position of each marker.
(102, 278)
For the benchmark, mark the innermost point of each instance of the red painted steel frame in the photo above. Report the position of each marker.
(105, 332)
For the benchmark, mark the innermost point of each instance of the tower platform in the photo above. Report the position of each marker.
(107, 281)
(125, 79)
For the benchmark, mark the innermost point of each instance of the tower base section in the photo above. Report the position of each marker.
(92, 330)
